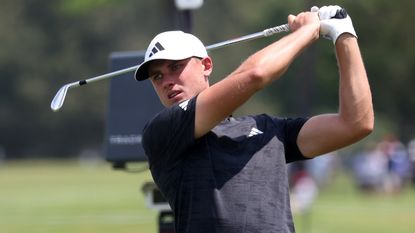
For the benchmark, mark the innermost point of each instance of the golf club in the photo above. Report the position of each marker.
(59, 98)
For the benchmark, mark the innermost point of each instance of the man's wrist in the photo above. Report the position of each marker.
(344, 38)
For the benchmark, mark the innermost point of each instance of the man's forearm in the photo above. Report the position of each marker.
(272, 61)
(355, 95)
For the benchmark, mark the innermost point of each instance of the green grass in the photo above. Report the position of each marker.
(341, 208)
(68, 197)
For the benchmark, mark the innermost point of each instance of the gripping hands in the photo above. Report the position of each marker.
(331, 27)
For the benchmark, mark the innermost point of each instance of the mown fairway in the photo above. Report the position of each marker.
(66, 196)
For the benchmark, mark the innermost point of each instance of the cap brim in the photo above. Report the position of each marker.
(142, 71)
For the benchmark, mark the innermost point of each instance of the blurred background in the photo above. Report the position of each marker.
(53, 173)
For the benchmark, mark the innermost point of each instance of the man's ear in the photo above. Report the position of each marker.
(207, 66)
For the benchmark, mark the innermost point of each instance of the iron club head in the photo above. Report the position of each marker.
(59, 98)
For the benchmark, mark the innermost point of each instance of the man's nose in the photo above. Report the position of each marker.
(168, 81)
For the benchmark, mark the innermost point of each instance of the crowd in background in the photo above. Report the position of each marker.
(386, 167)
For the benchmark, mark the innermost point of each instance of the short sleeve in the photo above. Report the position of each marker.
(290, 129)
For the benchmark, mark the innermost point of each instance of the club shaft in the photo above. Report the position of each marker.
(233, 41)
(107, 75)
(264, 33)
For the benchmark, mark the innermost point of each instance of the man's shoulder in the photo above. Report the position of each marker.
(173, 114)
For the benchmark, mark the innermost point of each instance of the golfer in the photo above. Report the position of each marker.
(228, 174)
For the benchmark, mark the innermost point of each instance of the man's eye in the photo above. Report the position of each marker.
(176, 67)
(156, 77)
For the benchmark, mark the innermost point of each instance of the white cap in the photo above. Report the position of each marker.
(171, 45)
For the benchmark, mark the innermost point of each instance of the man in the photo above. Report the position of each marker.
(226, 174)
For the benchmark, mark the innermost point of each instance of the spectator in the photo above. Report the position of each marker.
(370, 168)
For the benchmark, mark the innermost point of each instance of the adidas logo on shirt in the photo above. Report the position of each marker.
(157, 48)
(184, 104)
(254, 131)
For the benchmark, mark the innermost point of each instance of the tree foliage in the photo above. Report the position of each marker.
(46, 44)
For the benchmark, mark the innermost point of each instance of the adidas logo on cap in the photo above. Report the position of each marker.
(157, 48)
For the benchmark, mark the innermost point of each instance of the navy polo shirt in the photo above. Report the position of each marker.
(233, 179)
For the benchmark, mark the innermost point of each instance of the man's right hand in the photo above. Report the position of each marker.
(305, 19)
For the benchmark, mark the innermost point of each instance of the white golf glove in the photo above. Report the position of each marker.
(331, 28)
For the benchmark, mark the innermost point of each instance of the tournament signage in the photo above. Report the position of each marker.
(131, 105)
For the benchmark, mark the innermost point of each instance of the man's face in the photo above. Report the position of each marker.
(175, 81)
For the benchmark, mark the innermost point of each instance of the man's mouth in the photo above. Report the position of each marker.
(173, 94)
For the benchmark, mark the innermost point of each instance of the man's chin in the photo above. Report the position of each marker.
(177, 99)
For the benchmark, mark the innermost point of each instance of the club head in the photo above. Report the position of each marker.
(59, 98)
